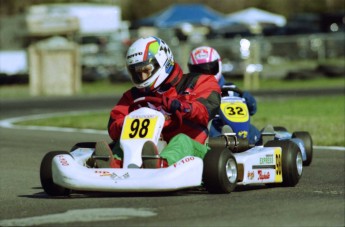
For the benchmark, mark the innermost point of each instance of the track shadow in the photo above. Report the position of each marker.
(186, 192)
(242, 188)
(86, 194)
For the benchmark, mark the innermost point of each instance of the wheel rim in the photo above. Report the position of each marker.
(299, 163)
(231, 170)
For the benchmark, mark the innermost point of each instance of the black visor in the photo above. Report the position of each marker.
(211, 68)
(142, 71)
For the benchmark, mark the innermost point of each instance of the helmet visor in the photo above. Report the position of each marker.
(211, 68)
(142, 71)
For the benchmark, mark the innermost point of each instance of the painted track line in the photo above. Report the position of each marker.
(333, 148)
(10, 123)
(81, 215)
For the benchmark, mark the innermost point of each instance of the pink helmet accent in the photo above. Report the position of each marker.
(205, 57)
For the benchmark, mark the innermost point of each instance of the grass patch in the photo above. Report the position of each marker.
(322, 117)
(94, 120)
(278, 84)
(106, 88)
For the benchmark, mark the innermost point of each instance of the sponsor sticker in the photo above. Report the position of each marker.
(268, 159)
(103, 173)
(278, 165)
(250, 175)
(114, 176)
(263, 175)
(63, 161)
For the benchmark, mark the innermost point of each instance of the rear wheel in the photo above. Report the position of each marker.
(46, 175)
(220, 171)
(308, 145)
(292, 163)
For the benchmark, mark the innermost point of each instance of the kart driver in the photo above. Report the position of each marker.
(154, 72)
(206, 60)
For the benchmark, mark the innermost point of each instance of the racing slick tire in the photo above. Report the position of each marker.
(220, 171)
(292, 163)
(46, 176)
(308, 145)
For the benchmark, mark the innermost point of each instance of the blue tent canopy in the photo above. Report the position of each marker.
(196, 14)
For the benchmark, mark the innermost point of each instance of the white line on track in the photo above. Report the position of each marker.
(81, 215)
(10, 123)
(333, 148)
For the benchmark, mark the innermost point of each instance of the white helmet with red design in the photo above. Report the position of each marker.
(149, 62)
(205, 60)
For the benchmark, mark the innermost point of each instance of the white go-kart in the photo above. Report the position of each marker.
(63, 172)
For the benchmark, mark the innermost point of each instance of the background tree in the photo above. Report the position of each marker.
(134, 9)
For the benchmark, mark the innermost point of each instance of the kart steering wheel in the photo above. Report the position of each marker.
(143, 101)
(231, 88)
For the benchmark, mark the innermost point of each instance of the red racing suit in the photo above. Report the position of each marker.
(201, 92)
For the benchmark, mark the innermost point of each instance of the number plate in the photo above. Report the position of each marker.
(139, 128)
(235, 111)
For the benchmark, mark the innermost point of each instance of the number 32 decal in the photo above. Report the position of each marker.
(235, 112)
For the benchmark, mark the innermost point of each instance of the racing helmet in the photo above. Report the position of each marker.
(149, 62)
(205, 60)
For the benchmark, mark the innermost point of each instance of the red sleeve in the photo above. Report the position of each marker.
(204, 99)
(118, 114)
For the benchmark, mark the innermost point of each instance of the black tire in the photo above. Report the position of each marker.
(220, 171)
(280, 128)
(308, 145)
(46, 176)
(292, 164)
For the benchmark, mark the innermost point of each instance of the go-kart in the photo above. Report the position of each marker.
(230, 161)
(277, 160)
(62, 172)
(234, 113)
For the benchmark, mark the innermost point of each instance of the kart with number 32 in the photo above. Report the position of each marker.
(222, 168)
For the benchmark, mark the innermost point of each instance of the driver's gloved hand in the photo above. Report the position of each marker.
(173, 104)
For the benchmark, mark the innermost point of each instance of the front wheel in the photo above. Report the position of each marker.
(220, 171)
(46, 175)
(292, 163)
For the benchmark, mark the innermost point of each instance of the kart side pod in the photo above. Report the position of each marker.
(284, 169)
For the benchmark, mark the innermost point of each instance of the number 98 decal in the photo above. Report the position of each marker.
(139, 128)
(236, 112)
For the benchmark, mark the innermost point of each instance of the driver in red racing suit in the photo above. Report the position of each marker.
(154, 73)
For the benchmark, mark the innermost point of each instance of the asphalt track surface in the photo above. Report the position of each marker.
(317, 200)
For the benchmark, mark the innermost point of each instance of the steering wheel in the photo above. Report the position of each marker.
(231, 88)
(156, 101)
